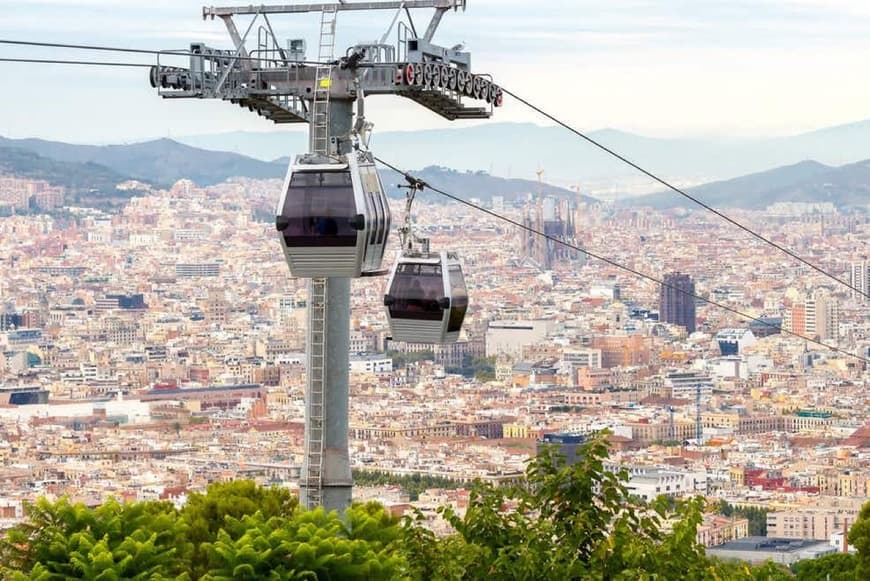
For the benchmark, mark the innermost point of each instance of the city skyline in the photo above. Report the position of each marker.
(177, 359)
(373, 344)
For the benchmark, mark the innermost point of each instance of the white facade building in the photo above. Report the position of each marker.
(509, 337)
(685, 384)
(374, 364)
(859, 279)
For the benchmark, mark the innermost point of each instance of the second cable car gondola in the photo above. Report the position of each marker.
(426, 298)
(333, 217)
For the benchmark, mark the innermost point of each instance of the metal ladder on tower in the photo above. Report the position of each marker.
(323, 81)
(317, 380)
(317, 288)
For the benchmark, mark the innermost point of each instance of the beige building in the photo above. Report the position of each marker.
(850, 483)
(743, 423)
(716, 530)
(810, 523)
(647, 433)
(816, 316)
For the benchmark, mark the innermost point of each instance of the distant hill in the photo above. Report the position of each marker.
(479, 184)
(518, 149)
(510, 150)
(808, 181)
(85, 183)
(161, 162)
(96, 170)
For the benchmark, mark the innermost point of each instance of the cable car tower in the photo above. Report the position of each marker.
(275, 81)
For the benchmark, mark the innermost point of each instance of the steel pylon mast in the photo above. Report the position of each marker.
(276, 82)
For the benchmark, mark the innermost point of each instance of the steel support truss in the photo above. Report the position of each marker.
(269, 82)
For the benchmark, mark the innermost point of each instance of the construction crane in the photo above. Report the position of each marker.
(275, 81)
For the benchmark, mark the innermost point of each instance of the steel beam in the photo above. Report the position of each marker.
(433, 24)
(212, 11)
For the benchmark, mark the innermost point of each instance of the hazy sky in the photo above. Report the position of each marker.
(659, 67)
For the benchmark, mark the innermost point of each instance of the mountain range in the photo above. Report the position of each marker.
(476, 184)
(519, 149)
(91, 172)
(807, 181)
(160, 162)
(95, 170)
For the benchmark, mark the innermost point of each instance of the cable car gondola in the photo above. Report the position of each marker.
(333, 217)
(426, 298)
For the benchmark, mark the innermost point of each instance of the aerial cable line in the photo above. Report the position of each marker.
(413, 180)
(556, 120)
(180, 52)
(72, 62)
(538, 232)
(683, 193)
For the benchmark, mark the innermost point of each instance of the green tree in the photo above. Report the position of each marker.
(204, 515)
(565, 522)
(859, 537)
(308, 545)
(480, 368)
(569, 522)
(840, 567)
(483, 368)
(756, 516)
(142, 540)
(401, 359)
(428, 557)
(413, 484)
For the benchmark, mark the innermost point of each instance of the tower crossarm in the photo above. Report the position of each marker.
(212, 11)
(277, 83)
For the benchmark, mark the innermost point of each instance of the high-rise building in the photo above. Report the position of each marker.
(677, 301)
(795, 318)
(827, 315)
(816, 316)
(859, 279)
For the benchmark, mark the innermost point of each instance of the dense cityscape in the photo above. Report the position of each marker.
(591, 303)
(149, 352)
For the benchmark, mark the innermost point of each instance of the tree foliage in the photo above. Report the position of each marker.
(840, 567)
(311, 545)
(204, 515)
(567, 522)
(756, 516)
(575, 521)
(402, 359)
(859, 537)
(480, 368)
(413, 484)
(116, 540)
